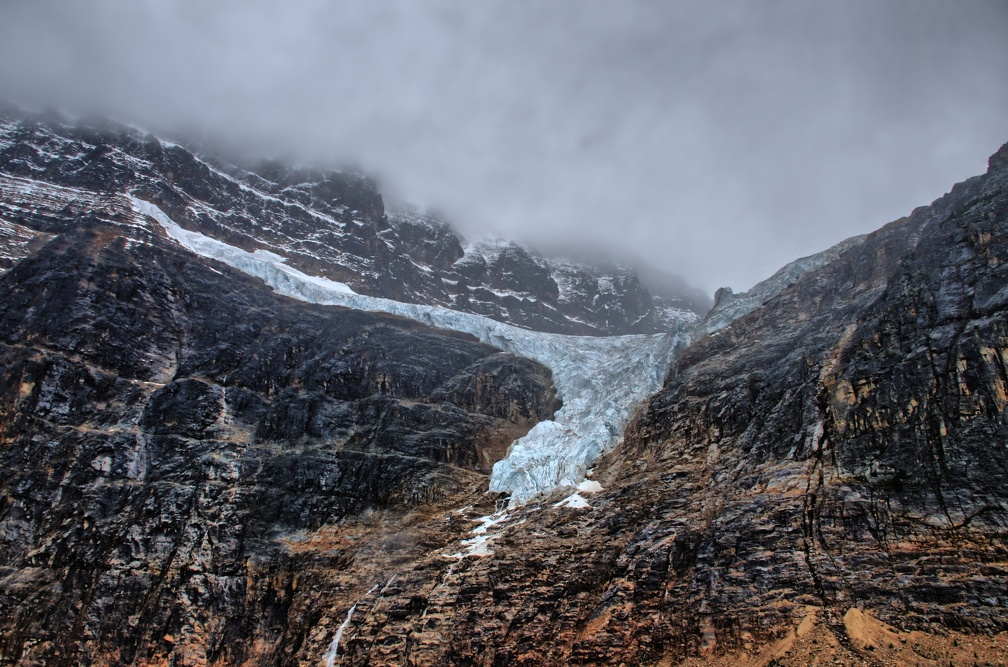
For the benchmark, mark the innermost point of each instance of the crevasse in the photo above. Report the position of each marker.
(601, 380)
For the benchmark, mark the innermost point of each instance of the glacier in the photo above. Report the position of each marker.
(601, 380)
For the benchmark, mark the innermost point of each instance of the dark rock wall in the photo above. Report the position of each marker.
(170, 429)
(843, 445)
(196, 471)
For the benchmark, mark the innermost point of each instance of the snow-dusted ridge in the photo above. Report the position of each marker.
(600, 380)
(729, 306)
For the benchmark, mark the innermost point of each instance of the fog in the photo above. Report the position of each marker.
(716, 144)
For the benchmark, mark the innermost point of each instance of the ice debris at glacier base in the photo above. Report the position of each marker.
(484, 535)
(601, 380)
(575, 501)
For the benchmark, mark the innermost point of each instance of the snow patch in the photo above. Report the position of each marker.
(484, 535)
(265, 196)
(670, 314)
(263, 264)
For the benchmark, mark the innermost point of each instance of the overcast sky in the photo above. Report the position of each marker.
(715, 140)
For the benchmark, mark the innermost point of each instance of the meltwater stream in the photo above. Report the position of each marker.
(601, 380)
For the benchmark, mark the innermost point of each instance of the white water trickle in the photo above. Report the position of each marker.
(330, 656)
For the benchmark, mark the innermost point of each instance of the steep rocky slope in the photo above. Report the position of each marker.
(334, 224)
(839, 448)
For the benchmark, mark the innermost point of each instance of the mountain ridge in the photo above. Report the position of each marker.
(334, 224)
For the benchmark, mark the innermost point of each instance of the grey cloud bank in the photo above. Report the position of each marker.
(717, 144)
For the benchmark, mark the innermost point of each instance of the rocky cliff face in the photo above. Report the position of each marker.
(198, 471)
(332, 224)
(823, 480)
(171, 431)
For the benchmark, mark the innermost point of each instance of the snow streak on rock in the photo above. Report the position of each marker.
(600, 380)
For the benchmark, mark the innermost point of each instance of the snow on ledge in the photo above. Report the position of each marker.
(601, 380)
(574, 501)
